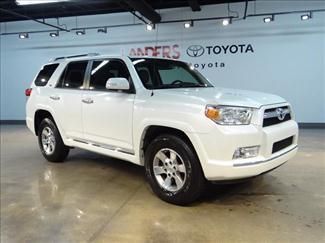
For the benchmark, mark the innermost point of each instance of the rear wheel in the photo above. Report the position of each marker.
(173, 170)
(50, 142)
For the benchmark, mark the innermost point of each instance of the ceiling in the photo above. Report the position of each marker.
(10, 11)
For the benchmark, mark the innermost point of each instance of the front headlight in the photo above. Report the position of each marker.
(229, 115)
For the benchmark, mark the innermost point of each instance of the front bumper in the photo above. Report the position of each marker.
(217, 149)
(253, 169)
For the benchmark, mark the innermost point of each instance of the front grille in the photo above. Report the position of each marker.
(276, 115)
(282, 144)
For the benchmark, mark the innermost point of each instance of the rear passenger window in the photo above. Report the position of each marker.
(45, 74)
(73, 76)
(102, 70)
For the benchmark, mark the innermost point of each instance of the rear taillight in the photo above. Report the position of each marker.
(28, 92)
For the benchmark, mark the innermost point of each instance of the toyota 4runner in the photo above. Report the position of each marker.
(162, 114)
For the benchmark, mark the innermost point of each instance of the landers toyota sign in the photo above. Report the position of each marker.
(198, 50)
(194, 51)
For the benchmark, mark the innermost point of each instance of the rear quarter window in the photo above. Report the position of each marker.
(45, 74)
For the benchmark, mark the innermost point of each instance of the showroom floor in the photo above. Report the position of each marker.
(96, 198)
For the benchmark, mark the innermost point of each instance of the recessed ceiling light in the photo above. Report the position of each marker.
(151, 27)
(23, 36)
(188, 24)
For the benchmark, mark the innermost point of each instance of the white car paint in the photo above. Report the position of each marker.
(115, 123)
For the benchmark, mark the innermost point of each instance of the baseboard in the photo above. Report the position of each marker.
(303, 125)
(311, 125)
(12, 122)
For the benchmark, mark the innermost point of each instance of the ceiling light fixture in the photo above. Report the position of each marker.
(102, 30)
(80, 32)
(150, 27)
(23, 36)
(306, 16)
(54, 34)
(226, 22)
(188, 24)
(32, 2)
(268, 19)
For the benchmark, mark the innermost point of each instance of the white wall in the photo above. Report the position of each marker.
(288, 57)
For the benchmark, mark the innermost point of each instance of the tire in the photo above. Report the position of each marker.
(55, 150)
(186, 182)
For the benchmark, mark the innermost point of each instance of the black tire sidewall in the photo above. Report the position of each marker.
(60, 150)
(194, 178)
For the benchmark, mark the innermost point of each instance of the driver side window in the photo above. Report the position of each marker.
(102, 70)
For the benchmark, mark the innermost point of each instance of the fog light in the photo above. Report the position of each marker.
(246, 152)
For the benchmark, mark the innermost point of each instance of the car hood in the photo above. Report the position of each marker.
(223, 96)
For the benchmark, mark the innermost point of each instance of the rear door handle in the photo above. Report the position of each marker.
(54, 97)
(88, 100)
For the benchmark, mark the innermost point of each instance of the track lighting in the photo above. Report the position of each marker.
(188, 24)
(268, 19)
(151, 27)
(54, 34)
(80, 32)
(226, 22)
(23, 36)
(102, 30)
(306, 16)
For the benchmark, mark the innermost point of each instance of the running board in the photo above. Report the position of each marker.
(105, 146)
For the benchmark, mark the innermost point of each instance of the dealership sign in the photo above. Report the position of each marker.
(199, 53)
(198, 50)
(202, 54)
(165, 51)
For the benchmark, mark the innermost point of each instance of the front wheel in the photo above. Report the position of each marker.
(173, 170)
(50, 142)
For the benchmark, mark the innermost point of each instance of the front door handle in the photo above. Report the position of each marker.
(88, 100)
(54, 97)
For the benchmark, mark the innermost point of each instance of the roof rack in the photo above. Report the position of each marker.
(75, 56)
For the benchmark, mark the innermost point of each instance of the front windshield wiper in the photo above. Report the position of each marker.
(193, 85)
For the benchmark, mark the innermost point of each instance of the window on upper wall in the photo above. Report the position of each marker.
(73, 76)
(45, 74)
(102, 70)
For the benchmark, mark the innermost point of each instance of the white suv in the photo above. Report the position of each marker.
(161, 114)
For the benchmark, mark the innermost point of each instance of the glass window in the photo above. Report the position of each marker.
(174, 74)
(168, 74)
(102, 70)
(73, 76)
(45, 74)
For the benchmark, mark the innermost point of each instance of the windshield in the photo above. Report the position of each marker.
(168, 74)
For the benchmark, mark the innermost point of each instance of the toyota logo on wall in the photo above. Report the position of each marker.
(195, 51)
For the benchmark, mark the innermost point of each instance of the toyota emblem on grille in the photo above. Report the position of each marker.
(281, 113)
(195, 51)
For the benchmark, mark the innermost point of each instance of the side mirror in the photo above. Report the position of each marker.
(117, 84)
